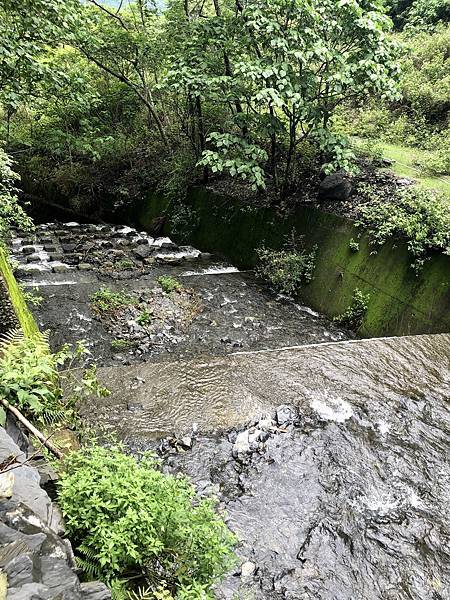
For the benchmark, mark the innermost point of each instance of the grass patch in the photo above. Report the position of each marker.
(119, 345)
(405, 164)
(107, 301)
(169, 284)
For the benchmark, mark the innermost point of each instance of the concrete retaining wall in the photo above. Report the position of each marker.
(402, 303)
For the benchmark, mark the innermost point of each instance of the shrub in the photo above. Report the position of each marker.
(11, 213)
(355, 313)
(169, 284)
(286, 270)
(184, 220)
(145, 317)
(30, 379)
(127, 518)
(420, 216)
(107, 301)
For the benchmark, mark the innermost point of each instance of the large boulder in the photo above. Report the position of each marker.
(335, 187)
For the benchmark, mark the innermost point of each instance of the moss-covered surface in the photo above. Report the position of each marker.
(24, 316)
(401, 302)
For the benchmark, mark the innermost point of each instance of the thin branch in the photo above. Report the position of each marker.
(110, 13)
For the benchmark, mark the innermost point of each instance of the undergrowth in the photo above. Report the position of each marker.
(32, 378)
(129, 520)
(286, 270)
(419, 216)
(353, 316)
(105, 300)
(169, 284)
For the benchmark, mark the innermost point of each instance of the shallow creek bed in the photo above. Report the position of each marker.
(328, 454)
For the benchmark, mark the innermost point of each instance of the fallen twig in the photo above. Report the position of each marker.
(32, 429)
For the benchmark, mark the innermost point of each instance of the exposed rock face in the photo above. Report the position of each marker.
(335, 187)
(38, 564)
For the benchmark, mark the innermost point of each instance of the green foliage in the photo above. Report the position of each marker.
(286, 270)
(11, 213)
(184, 220)
(425, 82)
(236, 156)
(118, 345)
(105, 300)
(353, 316)
(419, 216)
(294, 63)
(169, 284)
(145, 317)
(125, 264)
(32, 297)
(127, 517)
(419, 13)
(30, 378)
(353, 245)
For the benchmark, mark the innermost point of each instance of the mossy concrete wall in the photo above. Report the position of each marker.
(24, 316)
(401, 302)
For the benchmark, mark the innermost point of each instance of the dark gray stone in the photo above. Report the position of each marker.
(286, 415)
(60, 268)
(68, 248)
(19, 571)
(335, 187)
(143, 251)
(94, 590)
(30, 591)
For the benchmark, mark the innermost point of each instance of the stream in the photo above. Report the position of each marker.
(328, 454)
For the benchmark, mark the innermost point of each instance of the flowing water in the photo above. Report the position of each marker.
(329, 455)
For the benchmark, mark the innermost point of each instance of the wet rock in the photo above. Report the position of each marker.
(38, 564)
(164, 243)
(33, 258)
(19, 571)
(30, 591)
(68, 248)
(143, 250)
(94, 590)
(49, 248)
(135, 406)
(335, 187)
(241, 445)
(60, 268)
(31, 269)
(186, 442)
(28, 249)
(85, 267)
(285, 415)
(55, 257)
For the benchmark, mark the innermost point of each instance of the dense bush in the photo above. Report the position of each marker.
(419, 216)
(286, 270)
(32, 378)
(425, 83)
(353, 316)
(127, 518)
(11, 213)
